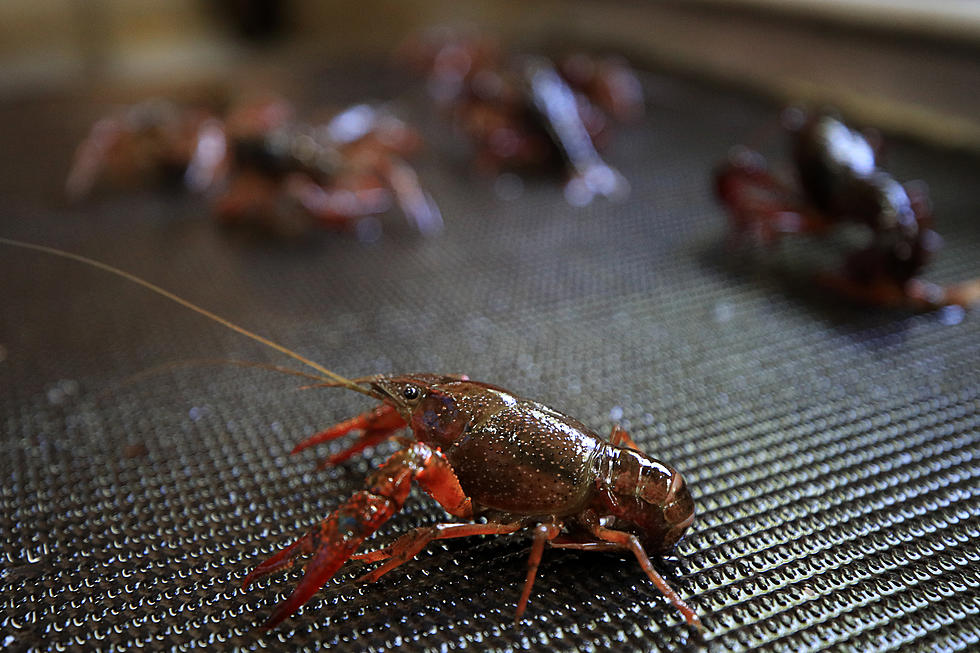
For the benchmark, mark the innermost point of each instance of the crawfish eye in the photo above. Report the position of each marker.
(411, 392)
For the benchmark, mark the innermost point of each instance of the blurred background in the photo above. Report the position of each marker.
(900, 64)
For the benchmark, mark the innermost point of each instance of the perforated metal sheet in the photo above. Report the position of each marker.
(832, 451)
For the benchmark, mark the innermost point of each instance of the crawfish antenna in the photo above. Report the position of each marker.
(340, 380)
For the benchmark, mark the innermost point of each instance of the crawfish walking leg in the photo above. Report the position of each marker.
(629, 542)
(543, 533)
(439, 480)
(407, 546)
(620, 437)
(578, 545)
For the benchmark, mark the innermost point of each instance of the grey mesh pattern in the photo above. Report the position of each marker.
(832, 451)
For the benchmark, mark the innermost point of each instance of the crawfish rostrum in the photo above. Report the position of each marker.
(527, 112)
(268, 170)
(481, 452)
(839, 182)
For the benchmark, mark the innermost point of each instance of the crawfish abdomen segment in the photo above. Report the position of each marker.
(646, 497)
(526, 459)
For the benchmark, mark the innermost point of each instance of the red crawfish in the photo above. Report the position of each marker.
(267, 170)
(155, 140)
(839, 181)
(527, 112)
(480, 451)
(287, 176)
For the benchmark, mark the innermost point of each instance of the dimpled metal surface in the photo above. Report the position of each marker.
(833, 452)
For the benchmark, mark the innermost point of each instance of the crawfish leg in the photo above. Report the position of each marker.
(375, 425)
(407, 546)
(543, 533)
(965, 294)
(761, 204)
(883, 293)
(334, 540)
(415, 203)
(439, 480)
(90, 158)
(923, 295)
(629, 542)
(584, 545)
(620, 437)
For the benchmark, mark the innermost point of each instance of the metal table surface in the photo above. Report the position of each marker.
(833, 452)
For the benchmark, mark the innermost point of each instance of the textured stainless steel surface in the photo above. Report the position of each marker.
(832, 451)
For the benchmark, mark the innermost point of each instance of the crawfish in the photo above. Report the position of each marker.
(156, 139)
(266, 169)
(840, 182)
(480, 451)
(287, 176)
(527, 112)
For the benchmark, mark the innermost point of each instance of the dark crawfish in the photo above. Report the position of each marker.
(840, 182)
(479, 451)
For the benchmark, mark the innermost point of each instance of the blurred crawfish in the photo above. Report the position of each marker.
(271, 171)
(526, 113)
(288, 176)
(154, 141)
(839, 182)
(481, 452)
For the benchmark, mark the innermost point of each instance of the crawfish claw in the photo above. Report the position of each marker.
(375, 426)
(320, 569)
(284, 559)
(336, 539)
